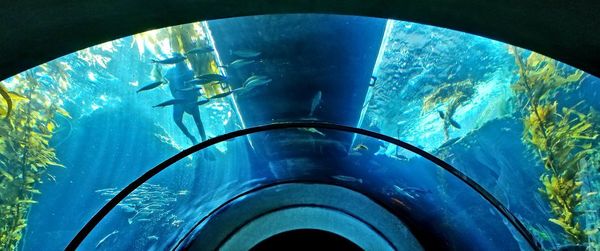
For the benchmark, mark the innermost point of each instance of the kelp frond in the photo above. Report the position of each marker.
(25, 152)
(447, 93)
(562, 139)
(9, 98)
(452, 96)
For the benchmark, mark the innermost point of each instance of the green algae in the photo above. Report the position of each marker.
(451, 96)
(25, 152)
(561, 138)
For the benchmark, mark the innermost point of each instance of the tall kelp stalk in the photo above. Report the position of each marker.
(591, 191)
(561, 138)
(184, 38)
(25, 153)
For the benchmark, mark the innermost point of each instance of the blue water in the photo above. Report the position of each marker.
(320, 67)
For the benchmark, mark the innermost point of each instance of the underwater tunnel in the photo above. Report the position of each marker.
(265, 129)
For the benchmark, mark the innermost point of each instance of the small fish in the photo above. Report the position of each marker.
(154, 206)
(254, 78)
(106, 190)
(174, 102)
(246, 53)
(176, 58)
(128, 209)
(51, 178)
(239, 63)
(240, 90)
(360, 147)
(152, 237)
(312, 130)
(222, 95)
(400, 203)
(202, 101)
(402, 191)
(200, 50)
(410, 192)
(113, 193)
(196, 81)
(150, 86)
(183, 192)
(417, 190)
(401, 157)
(192, 88)
(347, 178)
(106, 238)
(315, 102)
(145, 211)
(143, 220)
(207, 78)
(258, 82)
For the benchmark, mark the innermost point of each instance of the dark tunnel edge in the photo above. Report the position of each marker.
(93, 222)
(564, 30)
(370, 226)
(212, 213)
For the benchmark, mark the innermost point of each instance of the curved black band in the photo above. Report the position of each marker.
(89, 226)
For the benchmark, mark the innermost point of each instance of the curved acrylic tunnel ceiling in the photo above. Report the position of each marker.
(565, 30)
(419, 206)
(494, 112)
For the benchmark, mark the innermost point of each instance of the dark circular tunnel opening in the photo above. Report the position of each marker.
(306, 239)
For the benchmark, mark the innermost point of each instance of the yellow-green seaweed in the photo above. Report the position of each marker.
(184, 38)
(561, 139)
(25, 153)
(452, 95)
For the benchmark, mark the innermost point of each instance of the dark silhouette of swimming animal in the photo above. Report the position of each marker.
(211, 77)
(175, 59)
(239, 63)
(200, 50)
(173, 102)
(450, 120)
(221, 95)
(150, 86)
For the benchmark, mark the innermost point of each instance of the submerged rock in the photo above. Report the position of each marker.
(496, 157)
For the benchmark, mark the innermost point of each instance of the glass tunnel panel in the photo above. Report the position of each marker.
(432, 208)
(159, 212)
(520, 124)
